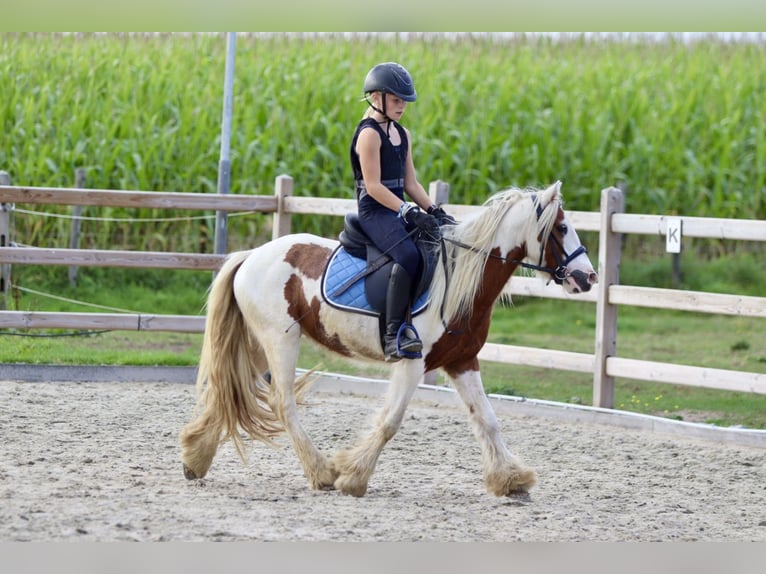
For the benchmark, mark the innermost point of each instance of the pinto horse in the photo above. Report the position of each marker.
(263, 300)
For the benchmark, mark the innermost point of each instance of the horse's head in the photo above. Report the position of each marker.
(558, 250)
(515, 228)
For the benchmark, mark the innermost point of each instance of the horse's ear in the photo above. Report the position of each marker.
(553, 192)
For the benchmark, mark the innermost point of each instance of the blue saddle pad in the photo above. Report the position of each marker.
(340, 269)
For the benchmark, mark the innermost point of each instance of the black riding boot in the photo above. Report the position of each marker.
(397, 306)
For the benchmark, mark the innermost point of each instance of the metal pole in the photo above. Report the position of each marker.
(224, 165)
(5, 241)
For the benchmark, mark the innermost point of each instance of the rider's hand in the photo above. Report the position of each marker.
(426, 223)
(441, 216)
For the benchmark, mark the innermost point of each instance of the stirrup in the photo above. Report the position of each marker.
(414, 352)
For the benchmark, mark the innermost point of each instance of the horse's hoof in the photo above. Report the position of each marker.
(513, 480)
(353, 488)
(189, 473)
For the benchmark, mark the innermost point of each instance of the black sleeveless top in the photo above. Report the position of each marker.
(392, 160)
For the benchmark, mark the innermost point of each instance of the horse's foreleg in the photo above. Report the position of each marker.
(504, 473)
(356, 464)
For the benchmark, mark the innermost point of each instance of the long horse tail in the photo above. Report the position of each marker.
(232, 391)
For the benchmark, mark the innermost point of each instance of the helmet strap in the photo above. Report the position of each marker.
(383, 111)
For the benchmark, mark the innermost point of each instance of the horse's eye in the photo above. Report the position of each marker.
(563, 229)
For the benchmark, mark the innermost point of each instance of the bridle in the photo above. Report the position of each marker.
(558, 274)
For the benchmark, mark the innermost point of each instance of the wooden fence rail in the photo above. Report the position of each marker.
(610, 222)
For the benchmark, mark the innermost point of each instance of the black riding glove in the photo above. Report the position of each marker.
(441, 216)
(426, 223)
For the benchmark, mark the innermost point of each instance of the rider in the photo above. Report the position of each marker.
(381, 160)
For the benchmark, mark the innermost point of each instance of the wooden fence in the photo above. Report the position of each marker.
(611, 223)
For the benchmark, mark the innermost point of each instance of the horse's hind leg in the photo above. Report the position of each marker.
(504, 473)
(355, 465)
(199, 443)
(201, 437)
(282, 362)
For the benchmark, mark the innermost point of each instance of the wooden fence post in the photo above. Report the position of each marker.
(5, 241)
(74, 232)
(283, 187)
(438, 192)
(609, 253)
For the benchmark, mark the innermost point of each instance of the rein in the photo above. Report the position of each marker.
(557, 273)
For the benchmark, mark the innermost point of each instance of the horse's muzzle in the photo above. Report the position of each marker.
(583, 280)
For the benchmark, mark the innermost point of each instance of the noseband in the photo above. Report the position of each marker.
(559, 273)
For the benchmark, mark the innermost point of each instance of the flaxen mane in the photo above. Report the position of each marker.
(455, 294)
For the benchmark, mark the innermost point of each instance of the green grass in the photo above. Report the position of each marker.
(674, 401)
(654, 335)
(62, 347)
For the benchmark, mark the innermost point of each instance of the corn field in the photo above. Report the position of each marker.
(682, 125)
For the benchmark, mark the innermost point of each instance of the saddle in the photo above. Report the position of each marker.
(356, 276)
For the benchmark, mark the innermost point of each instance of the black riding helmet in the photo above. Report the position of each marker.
(389, 78)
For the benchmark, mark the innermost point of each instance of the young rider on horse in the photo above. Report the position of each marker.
(381, 160)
